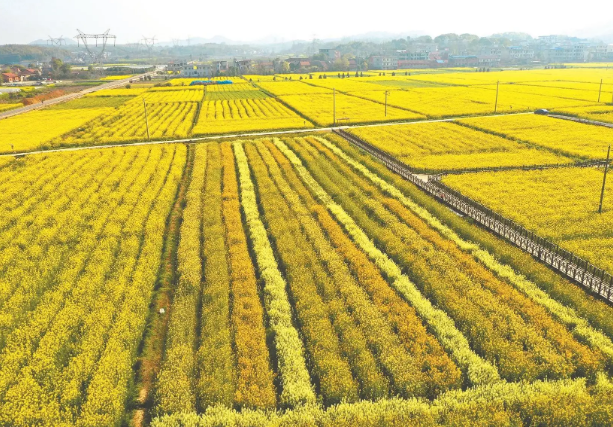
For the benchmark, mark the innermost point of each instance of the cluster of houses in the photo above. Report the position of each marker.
(18, 74)
(544, 50)
(442, 53)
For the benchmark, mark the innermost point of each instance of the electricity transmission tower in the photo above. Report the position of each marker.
(95, 44)
(56, 41)
(149, 42)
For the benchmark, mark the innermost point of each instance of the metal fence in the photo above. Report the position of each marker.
(561, 260)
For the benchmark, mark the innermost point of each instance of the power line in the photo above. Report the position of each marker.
(56, 41)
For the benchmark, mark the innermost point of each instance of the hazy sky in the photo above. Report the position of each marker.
(26, 20)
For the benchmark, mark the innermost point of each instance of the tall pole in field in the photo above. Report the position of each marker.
(146, 119)
(334, 105)
(604, 179)
(599, 90)
(386, 103)
(496, 104)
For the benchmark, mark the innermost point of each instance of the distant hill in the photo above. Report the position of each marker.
(15, 53)
(40, 42)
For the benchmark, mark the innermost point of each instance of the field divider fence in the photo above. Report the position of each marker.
(562, 261)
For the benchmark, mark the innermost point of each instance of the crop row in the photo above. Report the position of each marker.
(563, 402)
(225, 359)
(392, 333)
(240, 115)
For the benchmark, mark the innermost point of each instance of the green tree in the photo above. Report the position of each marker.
(56, 64)
(65, 69)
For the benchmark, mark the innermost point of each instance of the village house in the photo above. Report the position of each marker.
(11, 78)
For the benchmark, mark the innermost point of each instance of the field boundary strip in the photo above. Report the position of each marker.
(242, 135)
(581, 120)
(562, 261)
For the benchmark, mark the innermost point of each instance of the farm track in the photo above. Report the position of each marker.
(565, 263)
(152, 346)
(242, 135)
(68, 97)
(579, 120)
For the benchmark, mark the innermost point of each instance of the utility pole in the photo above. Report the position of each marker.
(146, 119)
(386, 92)
(599, 90)
(496, 104)
(334, 105)
(604, 179)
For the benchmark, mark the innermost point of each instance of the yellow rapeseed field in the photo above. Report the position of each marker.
(437, 147)
(36, 129)
(290, 278)
(561, 136)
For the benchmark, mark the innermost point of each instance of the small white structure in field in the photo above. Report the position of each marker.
(162, 310)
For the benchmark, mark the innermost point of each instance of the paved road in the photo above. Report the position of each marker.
(70, 96)
(244, 135)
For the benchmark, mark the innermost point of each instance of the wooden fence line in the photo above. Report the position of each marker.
(564, 262)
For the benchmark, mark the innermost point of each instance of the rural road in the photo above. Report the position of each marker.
(111, 85)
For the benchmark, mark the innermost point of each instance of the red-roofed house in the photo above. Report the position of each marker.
(11, 77)
(31, 72)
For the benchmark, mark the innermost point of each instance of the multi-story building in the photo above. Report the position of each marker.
(194, 69)
(463, 61)
(518, 54)
(574, 52)
(488, 60)
(383, 62)
(597, 52)
(330, 54)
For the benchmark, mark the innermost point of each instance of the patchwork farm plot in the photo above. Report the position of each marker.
(36, 129)
(329, 237)
(447, 146)
(324, 108)
(561, 136)
(178, 109)
(559, 204)
(292, 279)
